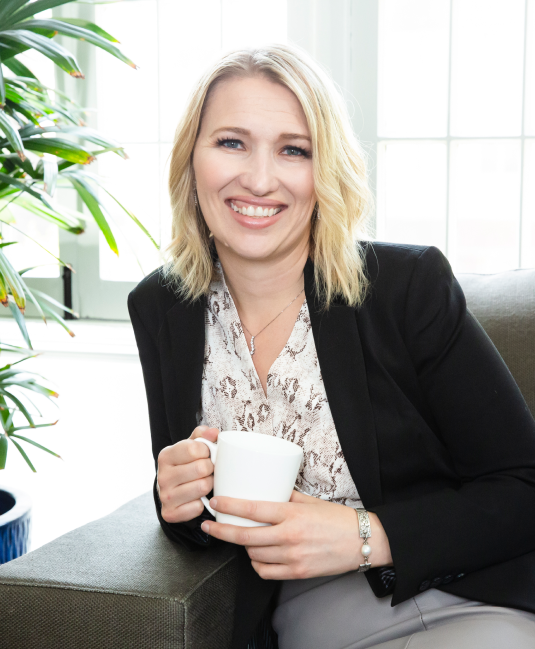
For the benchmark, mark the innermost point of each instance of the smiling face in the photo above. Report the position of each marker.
(253, 168)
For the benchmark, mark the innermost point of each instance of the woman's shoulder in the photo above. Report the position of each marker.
(394, 264)
(153, 297)
(403, 277)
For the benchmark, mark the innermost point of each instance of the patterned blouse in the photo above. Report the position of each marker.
(295, 407)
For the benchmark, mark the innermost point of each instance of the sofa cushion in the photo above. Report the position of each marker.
(118, 582)
(504, 304)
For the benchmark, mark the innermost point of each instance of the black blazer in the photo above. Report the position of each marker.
(436, 434)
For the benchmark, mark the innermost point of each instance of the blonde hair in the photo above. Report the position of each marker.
(340, 182)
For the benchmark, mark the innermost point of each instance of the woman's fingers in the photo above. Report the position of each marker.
(206, 432)
(247, 536)
(183, 513)
(268, 553)
(255, 510)
(272, 570)
(169, 477)
(185, 493)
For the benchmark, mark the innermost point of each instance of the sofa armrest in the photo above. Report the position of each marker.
(119, 582)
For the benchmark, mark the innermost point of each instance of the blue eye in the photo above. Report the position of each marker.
(229, 144)
(294, 151)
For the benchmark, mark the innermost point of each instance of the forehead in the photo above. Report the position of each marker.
(254, 103)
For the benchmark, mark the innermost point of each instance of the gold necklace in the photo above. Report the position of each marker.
(252, 350)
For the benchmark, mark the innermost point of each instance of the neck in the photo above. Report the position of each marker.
(260, 287)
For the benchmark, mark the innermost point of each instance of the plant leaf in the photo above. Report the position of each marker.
(3, 451)
(34, 8)
(59, 147)
(18, 68)
(30, 441)
(8, 8)
(75, 31)
(87, 195)
(3, 291)
(50, 174)
(55, 303)
(19, 319)
(23, 453)
(130, 214)
(9, 180)
(11, 133)
(58, 319)
(13, 280)
(2, 86)
(17, 428)
(81, 22)
(19, 405)
(52, 50)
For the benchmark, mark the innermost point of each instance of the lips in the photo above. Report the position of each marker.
(255, 213)
(255, 207)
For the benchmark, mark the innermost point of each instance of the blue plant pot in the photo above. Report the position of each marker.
(15, 508)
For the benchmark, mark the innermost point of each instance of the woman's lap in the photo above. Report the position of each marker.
(479, 631)
(342, 612)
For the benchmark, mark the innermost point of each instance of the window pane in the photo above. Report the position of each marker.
(529, 115)
(135, 183)
(252, 24)
(528, 206)
(484, 205)
(487, 67)
(127, 99)
(185, 51)
(413, 68)
(412, 193)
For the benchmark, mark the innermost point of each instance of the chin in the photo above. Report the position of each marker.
(254, 249)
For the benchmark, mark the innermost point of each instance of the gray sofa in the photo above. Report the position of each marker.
(120, 583)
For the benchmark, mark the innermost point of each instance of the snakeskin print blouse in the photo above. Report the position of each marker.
(295, 407)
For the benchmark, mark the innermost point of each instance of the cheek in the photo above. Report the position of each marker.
(301, 184)
(211, 175)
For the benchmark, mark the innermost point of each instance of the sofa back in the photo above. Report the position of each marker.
(504, 304)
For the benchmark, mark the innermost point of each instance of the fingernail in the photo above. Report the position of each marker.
(205, 527)
(213, 503)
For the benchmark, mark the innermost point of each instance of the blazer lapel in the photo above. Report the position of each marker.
(186, 336)
(341, 360)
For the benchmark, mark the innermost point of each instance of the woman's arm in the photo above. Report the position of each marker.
(188, 534)
(485, 424)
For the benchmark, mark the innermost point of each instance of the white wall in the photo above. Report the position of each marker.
(102, 435)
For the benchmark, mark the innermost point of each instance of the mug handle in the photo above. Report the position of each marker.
(212, 447)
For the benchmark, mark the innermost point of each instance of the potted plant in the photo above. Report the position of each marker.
(44, 144)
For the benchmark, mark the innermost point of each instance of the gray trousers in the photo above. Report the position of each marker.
(341, 612)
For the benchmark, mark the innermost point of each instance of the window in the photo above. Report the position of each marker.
(442, 96)
(456, 127)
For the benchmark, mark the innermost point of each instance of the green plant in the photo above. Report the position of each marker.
(45, 145)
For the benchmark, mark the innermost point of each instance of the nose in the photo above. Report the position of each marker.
(259, 174)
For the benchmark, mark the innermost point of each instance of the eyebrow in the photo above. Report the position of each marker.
(244, 131)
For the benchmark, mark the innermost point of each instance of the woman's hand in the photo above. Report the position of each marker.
(185, 473)
(308, 537)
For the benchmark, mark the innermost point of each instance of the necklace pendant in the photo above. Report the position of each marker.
(252, 345)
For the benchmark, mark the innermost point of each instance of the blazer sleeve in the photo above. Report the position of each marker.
(485, 424)
(186, 534)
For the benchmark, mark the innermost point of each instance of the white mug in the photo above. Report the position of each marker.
(252, 466)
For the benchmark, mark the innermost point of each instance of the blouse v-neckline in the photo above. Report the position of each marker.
(242, 341)
(295, 407)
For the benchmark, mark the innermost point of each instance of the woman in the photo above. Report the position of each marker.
(270, 318)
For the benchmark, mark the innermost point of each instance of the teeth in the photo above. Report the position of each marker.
(257, 213)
